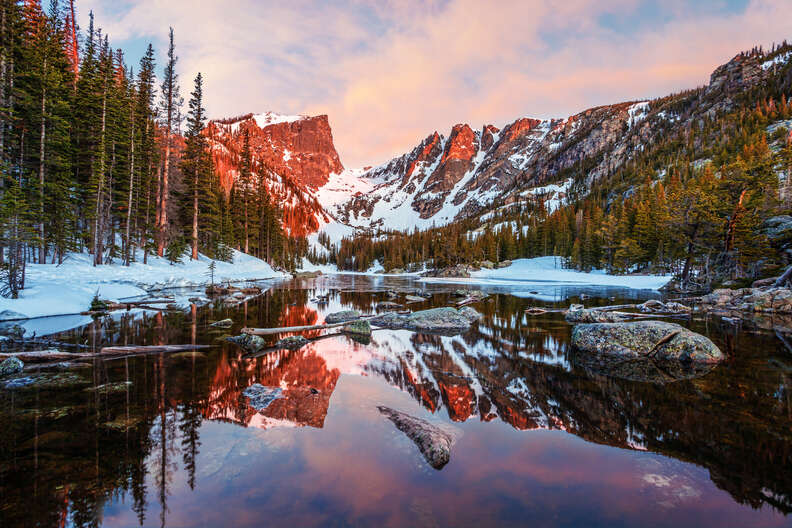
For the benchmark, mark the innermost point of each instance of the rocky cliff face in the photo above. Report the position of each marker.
(293, 156)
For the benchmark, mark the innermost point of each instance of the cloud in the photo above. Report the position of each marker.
(388, 73)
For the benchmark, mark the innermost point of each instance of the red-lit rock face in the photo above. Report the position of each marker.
(292, 157)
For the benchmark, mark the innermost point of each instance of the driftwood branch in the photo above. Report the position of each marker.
(285, 329)
(784, 278)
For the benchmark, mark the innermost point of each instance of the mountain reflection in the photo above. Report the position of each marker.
(66, 453)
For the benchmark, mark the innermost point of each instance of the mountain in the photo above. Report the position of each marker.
(294, 156)
(470, 171)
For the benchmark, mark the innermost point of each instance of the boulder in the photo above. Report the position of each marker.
(434, 443)
(503, 264)
(578, 314)
(294, 342)
(307, 274)
(248, 342)
(438, 320)
(260, 397)
(225, 323)
(413, 298)
(342, 317)
(486, 264)
(470, 314)
(778, 227)
(388, 305)
(11, 366)
(13, 330)
(391, 320)
(361, 328)
(645, 339)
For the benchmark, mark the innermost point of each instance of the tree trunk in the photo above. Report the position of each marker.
(127, 239)
(195, 218)
(732, 224)
(42, 258)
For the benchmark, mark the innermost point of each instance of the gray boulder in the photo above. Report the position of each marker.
(250, 343)
(361, 328)
(342, 317)
(391, 320)
(225, 323)
(11, 366)
(578, 314)
(260, 397)
(470, 314)
(434, 443)
(645, 339)
(440, 320)
(294, 342)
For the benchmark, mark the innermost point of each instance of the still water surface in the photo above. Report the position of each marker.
(541, 440)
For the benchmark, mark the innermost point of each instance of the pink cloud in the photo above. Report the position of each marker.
(389, 73)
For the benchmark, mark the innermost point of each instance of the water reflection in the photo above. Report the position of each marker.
(75, 456)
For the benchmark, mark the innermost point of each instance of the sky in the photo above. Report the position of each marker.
(390, 72)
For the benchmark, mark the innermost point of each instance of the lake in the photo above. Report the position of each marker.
(542, 437)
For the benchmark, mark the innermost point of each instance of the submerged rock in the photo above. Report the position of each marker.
(360, 328)
(250, 343)
(11, 366)
(342, 317)
(120, 386)
(292, 342)
(388, 305)
(47, 380)
(225, 323)
(414, 298)
(434, 443)
(645, 339)
(260, 397)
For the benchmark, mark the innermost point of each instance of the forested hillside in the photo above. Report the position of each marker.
(102, 157)
(698, 189)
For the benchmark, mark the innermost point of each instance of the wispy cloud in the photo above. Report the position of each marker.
(390, 72)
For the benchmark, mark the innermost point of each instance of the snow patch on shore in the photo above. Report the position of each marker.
(550, 269)
(69, 288)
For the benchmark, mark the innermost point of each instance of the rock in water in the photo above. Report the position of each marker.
(391, 320)
(250, 343)
(578, 314)
(440, 320)
(11, 366)
(470, 314)
(434, 443)
(260, 397)
(292, 342)
(413, 299)
(645, 339)
(361, 328)
(342, 317)
(225, 323)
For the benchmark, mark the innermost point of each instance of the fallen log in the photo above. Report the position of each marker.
(140, 349)
(291, 329)
(38, 356)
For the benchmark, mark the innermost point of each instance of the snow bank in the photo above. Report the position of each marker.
(69, 287)
(550, 269)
